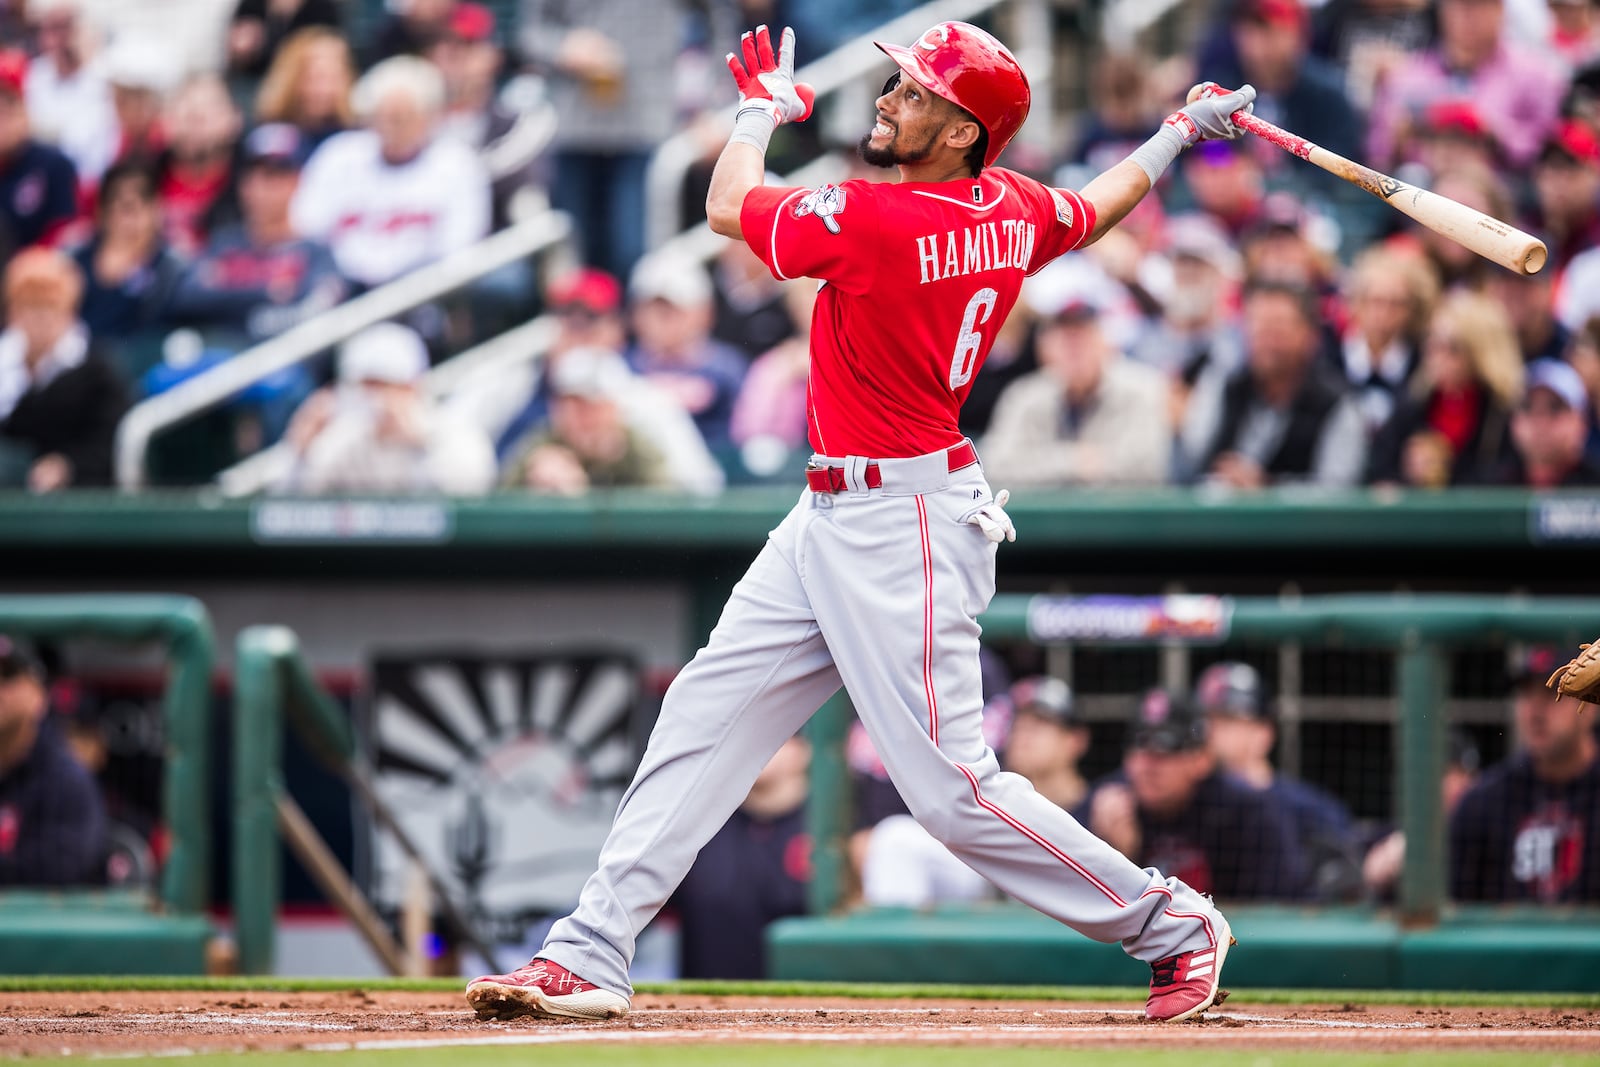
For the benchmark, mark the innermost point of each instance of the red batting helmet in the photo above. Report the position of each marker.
(971, 69)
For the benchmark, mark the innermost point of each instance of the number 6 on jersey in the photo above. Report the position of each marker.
(979, 308)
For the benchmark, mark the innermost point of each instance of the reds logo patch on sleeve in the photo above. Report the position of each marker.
(1063, 209)
(824, 203)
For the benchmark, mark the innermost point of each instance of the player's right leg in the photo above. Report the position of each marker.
(762, 674)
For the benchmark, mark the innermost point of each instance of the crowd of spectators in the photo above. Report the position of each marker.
(1254, 323)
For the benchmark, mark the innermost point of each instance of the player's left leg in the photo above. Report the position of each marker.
(906, 644)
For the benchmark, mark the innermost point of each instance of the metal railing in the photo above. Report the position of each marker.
(215, 387)
(845, 67)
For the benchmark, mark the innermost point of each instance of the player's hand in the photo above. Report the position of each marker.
(993, 520)
(766, 81)
(1208, 116)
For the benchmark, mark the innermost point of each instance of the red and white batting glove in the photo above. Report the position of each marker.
(1210, 118)
(766, 82)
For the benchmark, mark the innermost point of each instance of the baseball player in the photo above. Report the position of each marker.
(876, 578)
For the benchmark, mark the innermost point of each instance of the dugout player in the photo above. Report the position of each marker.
(875, 579)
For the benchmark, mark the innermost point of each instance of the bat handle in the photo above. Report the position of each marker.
(1263, 129)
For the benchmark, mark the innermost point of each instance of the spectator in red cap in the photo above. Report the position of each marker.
(511, 130)
(1517, 92)
(1566, 185)
(1574, 30)
(38, 184)
(260, 27)
(1451, 136)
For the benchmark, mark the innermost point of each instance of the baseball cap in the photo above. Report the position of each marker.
(1047, 697)
(1535, 663)
(589, 372)
(591, 289)
(1231, 688)
(17, 657)
(680, 281)
(1202, 238)
(1560, 378)
(13, 71)
(387, 352)
(471, 22)
(1575, 141)
(141, 61)
(275, 144)
(1166, 722)
(1454, 116)
(1277, 12)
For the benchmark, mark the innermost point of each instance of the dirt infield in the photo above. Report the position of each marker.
(58, 1024)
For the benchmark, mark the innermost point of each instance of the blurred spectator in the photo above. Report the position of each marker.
(753, 312)
(259, 29)
(1390, 295)
(511, 136)
(1529, 301)
(1047, 740)
(1566, 183)
(1480, 189)
(1574, 31)
(1386, 857)
(1454, 426)
(1291, 244)
(587, 443)
(1530, 828)
(671, 309)
(1087, 416)
(754, 870)
(1366, 39)
(1550, 431)
(128, 268)
(60, 400)
(38, 186)
(309, 86)
(141, 70)
(255, 280)
(1171, 807)
(376, 432)
(1242, 735)
(1285, 415)
(612, 64)
(393, 197)
(1121, 110)
(1517, 92)
(197, 168)
(52, 819)
(1451, 136)
(69, 100)
(410, 28)
(769, 417)
(1224, 180)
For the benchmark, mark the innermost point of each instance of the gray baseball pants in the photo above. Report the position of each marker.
(877, 589)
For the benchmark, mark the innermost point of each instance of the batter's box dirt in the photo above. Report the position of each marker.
(57, 1024)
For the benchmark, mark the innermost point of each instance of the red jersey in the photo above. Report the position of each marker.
(918, 277)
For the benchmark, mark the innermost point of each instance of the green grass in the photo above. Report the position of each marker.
(833, 1055)
(1098, 994)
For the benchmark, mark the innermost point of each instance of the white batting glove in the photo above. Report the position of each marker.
(993, 520)
(766, 82)
(1210, 118)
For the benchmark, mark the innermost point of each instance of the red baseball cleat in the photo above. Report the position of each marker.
(542, 987)
(1185, 985)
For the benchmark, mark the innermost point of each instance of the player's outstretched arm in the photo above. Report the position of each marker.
(1117, 191)
(768, 97)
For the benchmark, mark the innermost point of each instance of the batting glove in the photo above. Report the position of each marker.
(993, 520)
(766, 82)
(1210, 118)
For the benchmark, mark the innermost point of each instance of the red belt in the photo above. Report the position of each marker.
(831, 479)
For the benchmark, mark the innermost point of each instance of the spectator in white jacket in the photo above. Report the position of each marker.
(1087, 416)
(393, 196)
(376, 432)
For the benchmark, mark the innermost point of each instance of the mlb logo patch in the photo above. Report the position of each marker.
(1063, 209)
(977, 193)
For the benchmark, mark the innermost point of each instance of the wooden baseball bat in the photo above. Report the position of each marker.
(1486, 235)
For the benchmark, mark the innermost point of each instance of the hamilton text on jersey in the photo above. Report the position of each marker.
(986, 246)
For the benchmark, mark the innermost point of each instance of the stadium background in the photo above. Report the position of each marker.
(374, 588)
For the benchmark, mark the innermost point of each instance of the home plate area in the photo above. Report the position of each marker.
(183, 1023)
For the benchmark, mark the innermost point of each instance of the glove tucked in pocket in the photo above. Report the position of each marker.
(992, 519)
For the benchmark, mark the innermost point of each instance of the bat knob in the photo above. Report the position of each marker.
(1533, 262)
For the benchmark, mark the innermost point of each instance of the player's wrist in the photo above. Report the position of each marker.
(754, 123)
(1161, 150)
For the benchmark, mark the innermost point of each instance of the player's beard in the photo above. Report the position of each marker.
(891, 155)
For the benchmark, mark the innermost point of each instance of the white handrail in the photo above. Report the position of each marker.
(839, 68)
(298, 344)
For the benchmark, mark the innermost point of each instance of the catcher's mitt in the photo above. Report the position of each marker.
(1581, 676)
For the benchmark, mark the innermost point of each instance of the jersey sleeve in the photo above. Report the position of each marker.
(1065, 221)
(830, 232)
